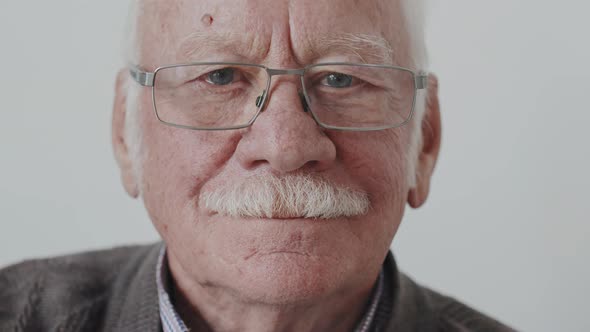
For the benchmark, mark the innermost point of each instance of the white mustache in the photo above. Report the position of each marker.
(291, 196)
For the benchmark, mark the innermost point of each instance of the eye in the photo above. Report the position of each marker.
(223, 76)
(338, 80)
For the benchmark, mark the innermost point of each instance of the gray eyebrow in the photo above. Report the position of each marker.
(199, 43)
(368, 48)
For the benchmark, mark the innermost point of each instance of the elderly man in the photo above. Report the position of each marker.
(274, 145)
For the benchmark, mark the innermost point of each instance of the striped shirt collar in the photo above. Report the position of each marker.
(171, 321)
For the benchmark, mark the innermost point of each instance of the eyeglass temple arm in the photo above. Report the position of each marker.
(421, 81)
(142, 77)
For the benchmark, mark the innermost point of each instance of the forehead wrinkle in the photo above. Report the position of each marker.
(368, 48)
(200, 43)
(156, 26)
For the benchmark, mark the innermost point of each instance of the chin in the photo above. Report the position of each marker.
(280, 262)
(289, 278)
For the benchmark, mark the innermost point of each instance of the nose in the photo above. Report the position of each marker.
(284, 137)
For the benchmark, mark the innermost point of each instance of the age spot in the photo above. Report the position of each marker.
(207, 20)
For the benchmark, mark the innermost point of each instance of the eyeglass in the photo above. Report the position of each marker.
(227, 95)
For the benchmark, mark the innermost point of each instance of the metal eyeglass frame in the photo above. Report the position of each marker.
(148, 79)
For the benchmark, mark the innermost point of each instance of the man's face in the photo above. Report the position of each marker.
(276, 260)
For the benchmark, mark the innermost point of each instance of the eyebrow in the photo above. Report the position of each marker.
(199, 44)
(367, 48)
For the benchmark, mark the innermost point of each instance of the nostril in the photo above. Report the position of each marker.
(312, 164)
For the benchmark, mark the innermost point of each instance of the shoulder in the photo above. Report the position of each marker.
(450, 315)
(46, 294)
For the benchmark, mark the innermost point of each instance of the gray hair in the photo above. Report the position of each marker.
(414, 14)
(289, 196)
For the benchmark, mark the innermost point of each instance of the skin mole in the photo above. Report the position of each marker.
(207, 20)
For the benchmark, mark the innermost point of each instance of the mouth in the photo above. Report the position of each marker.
(265, 219)
(277, 252)
(211, 213)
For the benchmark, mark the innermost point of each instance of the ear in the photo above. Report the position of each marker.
(120, 147)
(431, 137)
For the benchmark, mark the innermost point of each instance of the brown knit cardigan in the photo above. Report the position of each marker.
(115, 290)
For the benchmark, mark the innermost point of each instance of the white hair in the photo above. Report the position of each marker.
(133, 132)
(414, 15)
(415, 22)
(290, 196)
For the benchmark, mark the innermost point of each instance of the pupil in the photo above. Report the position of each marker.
(222, 77)
(339, 80)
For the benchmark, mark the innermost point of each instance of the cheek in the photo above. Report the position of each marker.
(378, 159)
(177, 163)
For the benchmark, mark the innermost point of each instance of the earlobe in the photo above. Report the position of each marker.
(431, 139)
(120, 147)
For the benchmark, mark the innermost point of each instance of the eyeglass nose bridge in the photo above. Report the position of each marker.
(261, 100)
(277, 72)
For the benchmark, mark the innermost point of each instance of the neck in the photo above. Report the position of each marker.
(210, 308)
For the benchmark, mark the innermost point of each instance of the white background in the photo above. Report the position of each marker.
(506, 226)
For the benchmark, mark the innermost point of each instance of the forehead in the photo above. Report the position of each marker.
(172, 31)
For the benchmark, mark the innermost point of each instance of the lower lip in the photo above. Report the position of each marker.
(278, 220)
(300, 219)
